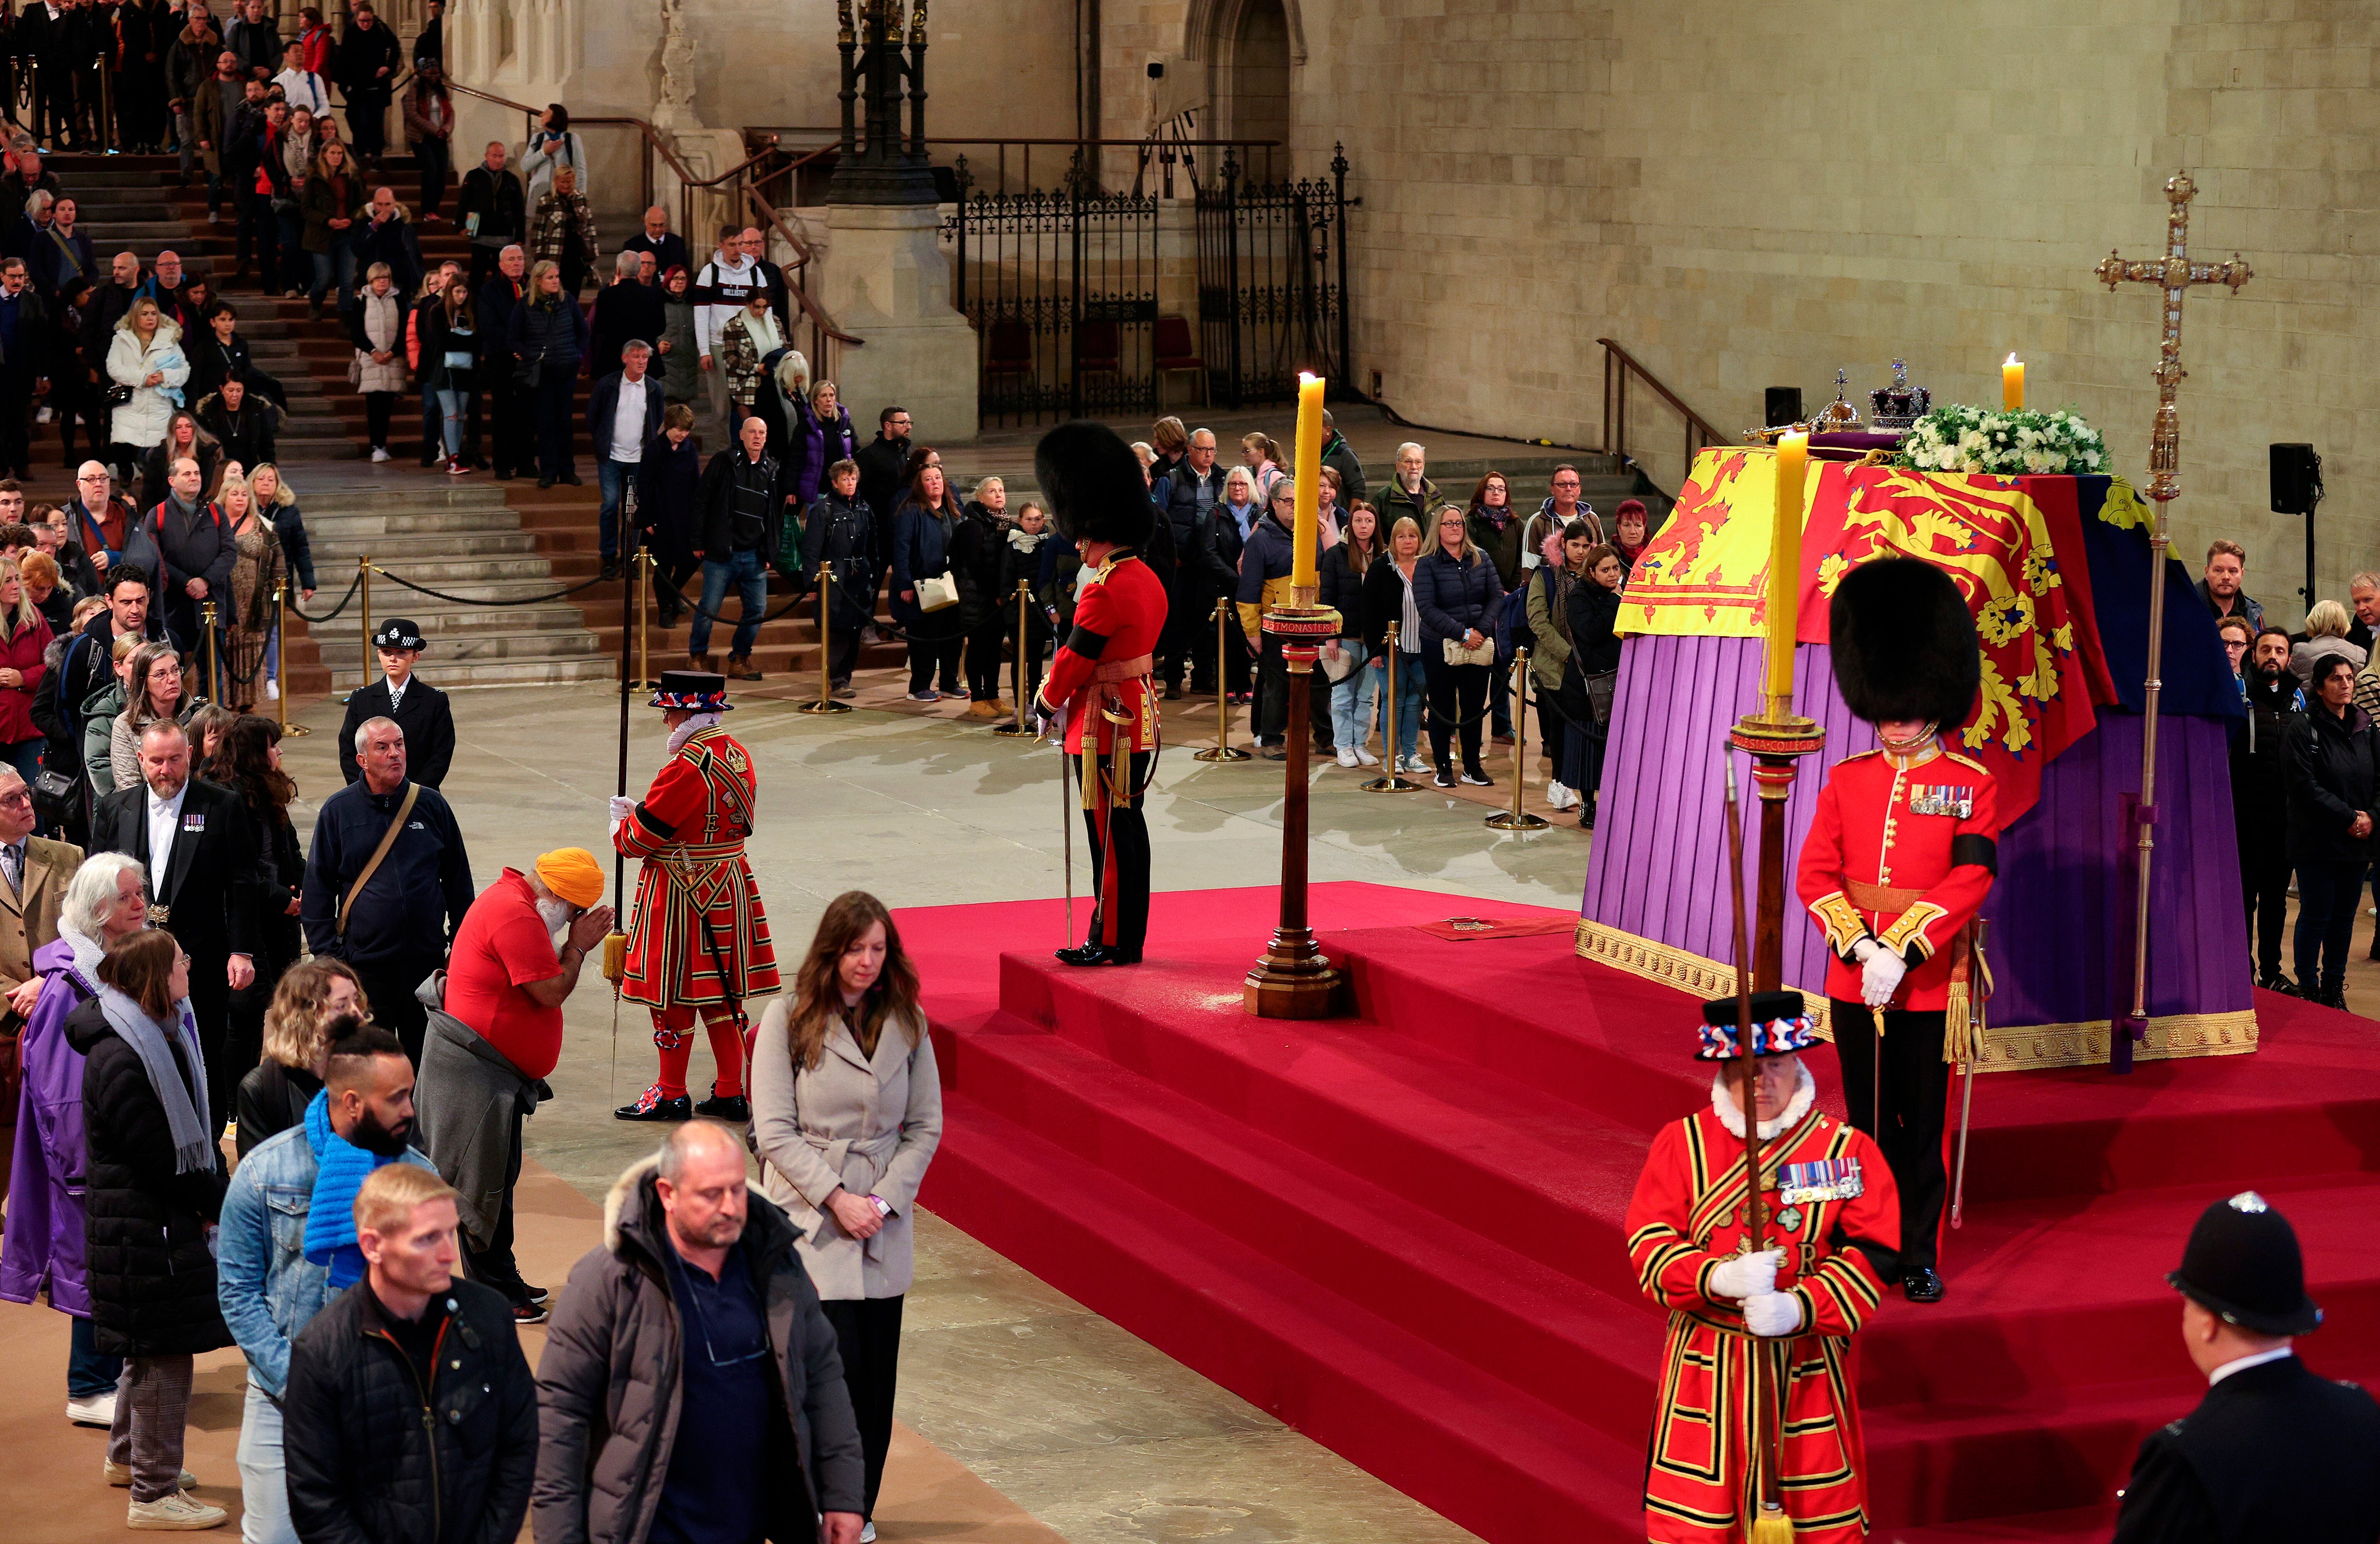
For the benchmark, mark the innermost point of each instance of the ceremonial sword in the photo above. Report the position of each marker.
(1979, 988)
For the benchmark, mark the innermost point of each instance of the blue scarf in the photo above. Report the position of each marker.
(340, 1170)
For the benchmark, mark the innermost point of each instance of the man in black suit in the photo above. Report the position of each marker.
(2272, 1451)
(201, 854)
(418, 708)
(624, 413)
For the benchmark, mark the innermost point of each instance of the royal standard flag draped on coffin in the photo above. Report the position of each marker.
(1999, 538)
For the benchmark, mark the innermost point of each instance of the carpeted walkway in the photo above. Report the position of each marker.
(51, 1491)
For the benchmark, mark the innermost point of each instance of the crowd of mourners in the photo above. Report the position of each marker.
(2305, 771)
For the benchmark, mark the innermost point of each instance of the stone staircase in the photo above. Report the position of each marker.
(463, 540)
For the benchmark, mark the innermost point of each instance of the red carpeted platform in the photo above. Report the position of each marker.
(1401, 1232)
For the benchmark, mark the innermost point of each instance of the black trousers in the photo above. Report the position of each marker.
(843, 655)
(1458, 695)
(510, 425)
(16, 439)
(868, 1333)
(1129, 828)
(553, 422)
(2329, 895)
(210, 1005)
(2264, 886)
(377, 406)
(1916, 1096)
(434, 156)
(494, 1264)
(930, 657)
(1272, 701)
(389, 985)
(368, 121)
(983, 656)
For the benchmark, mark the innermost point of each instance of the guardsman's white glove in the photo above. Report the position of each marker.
(1773, 1314)
(623, 809)
(1880, 972)
(1746, 1276)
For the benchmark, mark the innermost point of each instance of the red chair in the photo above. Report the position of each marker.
(1098, 348)
(1010, 348)
(1177, 350)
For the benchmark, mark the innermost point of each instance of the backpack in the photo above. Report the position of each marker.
(1512, 630)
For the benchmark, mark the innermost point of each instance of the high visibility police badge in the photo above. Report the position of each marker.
(1827, 1179)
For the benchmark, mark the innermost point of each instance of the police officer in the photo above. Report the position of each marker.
(416, 706)
(2272, 1451)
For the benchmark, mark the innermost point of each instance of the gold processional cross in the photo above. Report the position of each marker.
(2174, 273)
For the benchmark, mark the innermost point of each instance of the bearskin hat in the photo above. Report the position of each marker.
(1094, 482)
(1904, 644)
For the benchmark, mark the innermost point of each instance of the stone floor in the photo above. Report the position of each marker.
(1083, 1424)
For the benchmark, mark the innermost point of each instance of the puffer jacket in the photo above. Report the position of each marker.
(921, 551)
(1453, 596)
(976, 547)
(373, 1459)
(680, 375)
(2334, 775)
(42, 1246)
(551, 328)
(607, 1435)
(377, 326)
(843, 531)
(153, 1281)
(140, 422)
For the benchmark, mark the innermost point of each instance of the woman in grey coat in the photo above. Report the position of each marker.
(846, 1112)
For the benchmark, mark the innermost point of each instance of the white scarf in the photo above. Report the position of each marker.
(1723, 1104)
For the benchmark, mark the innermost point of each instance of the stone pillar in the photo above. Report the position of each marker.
(889, 283)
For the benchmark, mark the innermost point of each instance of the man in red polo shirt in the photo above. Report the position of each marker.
(499, 1034)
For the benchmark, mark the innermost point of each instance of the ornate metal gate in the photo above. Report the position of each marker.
(1061, 288)
(1271, 292)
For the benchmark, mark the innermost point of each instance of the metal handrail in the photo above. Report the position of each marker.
(1618, 366)
(769, 218)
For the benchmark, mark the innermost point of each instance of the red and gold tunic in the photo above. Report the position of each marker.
(1903, 850)
(1100, 676)
(689, 830)
(1688, 1216)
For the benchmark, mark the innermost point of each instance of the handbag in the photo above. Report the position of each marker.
(356, 369)
(530, 371)
(1457, 654)
(787, 559)
(939, 592)
(1600, 690)
(1349, 660)
(118, 396)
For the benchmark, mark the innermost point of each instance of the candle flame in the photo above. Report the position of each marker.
(2011, 358)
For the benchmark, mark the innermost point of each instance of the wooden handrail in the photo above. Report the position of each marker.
(1619, 365)
(768, 217)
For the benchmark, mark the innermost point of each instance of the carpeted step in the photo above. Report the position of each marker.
(1495, 1306)
(1506, 1465)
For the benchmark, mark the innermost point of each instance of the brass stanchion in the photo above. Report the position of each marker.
(214, 664)
(1022, 722)
(826, 702)
(281, 640)
(1222, 749)
(643, 564)
(363, 578)
(1390, 782)
(1516, 818)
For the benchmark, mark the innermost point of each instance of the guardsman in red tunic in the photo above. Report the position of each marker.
(700, 940)
(1098, 686)
(1831, 1230)
(1902, 851)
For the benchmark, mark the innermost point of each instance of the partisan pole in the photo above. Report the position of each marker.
(1772, 1526)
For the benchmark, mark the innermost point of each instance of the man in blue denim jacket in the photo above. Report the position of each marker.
(267, 1286)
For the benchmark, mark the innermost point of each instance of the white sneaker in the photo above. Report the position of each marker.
(93, 1409)
(1365, 757)
(1560, 798)
(378, 455)
(867, 1533)
(120, 1474)
(272, 691)
(1346, 757)
(176, 1512)
(1416, 764)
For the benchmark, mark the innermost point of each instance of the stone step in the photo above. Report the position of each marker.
(572, 643)
(501, 672)
(354, 532)
(443, 623)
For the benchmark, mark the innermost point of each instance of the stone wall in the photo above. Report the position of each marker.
(1749, 194)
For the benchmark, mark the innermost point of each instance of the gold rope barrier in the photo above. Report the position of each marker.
(826, 702)
(1021, 724)
(1222, 749)
(1516, 818)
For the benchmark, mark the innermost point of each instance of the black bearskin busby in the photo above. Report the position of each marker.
(1904, 644)
(1094, 482)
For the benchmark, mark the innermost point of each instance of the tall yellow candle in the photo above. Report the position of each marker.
(1785, 568)
(1307, 468)
(2012, 385)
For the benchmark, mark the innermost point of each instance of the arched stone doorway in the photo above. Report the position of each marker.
(1251, 72)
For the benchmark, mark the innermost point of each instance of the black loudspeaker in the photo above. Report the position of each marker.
(1784, 405)
(2297, 479)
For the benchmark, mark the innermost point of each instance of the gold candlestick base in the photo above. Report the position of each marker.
(1293, 978)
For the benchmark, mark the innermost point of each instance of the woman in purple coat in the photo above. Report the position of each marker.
(44, 1247)
(822, 435)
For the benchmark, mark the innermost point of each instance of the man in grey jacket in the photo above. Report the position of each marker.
(738, 1385)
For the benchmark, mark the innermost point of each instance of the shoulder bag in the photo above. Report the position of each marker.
(371, 864)
(1457, 654)
(937, 593)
